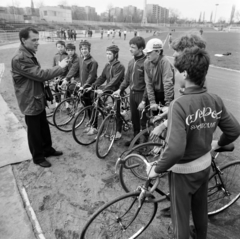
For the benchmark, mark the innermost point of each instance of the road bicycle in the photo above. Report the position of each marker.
(58, 96)
(68, 108)
(130, 215)
(108, 129)
(91, 117)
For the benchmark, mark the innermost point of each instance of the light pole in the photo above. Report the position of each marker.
(216, 13)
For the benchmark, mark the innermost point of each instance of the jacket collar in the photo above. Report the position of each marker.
(26, 52)
(88, 57)
(194, 90)
(114, 62)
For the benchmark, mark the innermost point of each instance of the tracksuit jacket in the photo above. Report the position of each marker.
(159, 77)
(73, 68)
(87, 70)
(192, 120)
(113, 74)
(135, 75)
(59, 57)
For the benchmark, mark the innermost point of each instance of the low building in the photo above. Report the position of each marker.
(55, 14)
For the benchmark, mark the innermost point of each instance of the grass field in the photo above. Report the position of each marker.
(217, 43)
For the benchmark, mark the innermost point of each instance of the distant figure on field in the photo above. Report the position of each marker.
(170, 40)
(201, 31)
(125, 34)
(102, 33)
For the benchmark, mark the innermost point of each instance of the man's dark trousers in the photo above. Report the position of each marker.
(39, 136)
(135, 99)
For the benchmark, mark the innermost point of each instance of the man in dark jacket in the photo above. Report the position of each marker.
(113, 75)
(135, 79)
(28, 79)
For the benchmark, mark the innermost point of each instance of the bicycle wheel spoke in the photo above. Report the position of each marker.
(87, 119)
(224, 189)
(106, 136)
(114, 220)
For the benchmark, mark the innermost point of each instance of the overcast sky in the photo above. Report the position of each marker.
(188, 8)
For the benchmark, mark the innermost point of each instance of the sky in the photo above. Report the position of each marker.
(188, 8)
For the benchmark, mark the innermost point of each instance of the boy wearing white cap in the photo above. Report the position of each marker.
(159, 76)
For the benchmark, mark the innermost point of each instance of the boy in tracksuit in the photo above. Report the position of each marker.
(113, 75)
(192, 120)
(135, 79)
(159, 76)
(87, 73)
(59, 56)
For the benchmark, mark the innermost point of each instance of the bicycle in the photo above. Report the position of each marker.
(131, 214)
(91, 116)
(66, 111)
(58, 96)
(152, 121)
(220, 195)
(108, 129)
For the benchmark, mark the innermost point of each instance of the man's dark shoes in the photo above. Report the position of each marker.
(53, 153)
(44, 164)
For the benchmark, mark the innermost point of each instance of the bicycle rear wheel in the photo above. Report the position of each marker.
(130, 182)
(106, 136)
(88, 117)
(51, 106)
(224, 188)
(120, 219)
(65, 113)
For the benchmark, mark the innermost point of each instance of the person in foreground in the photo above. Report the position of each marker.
(192, 120)
(28, 79)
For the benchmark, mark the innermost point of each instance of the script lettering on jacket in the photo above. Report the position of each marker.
(205, 112)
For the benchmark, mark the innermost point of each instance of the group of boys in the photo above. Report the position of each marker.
(192, 118)
(151, 77)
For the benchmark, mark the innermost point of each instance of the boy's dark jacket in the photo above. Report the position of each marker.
(113, 74)
(73, 68)
(135, 75)
(192, 120)
(87, 71)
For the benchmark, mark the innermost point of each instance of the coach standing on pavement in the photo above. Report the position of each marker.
(28, 79)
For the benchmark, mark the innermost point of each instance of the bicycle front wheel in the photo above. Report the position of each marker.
(224, 188)
(89, 117)
(106, 136)
(51, 106)
(65, 113)
(121, 218)
(130, 182)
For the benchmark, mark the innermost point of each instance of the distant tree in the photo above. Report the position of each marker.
(109, 7)
(200, 17)
(211, 17)
(232, 14)
(174, 15)
(39, 4)
(237, 16)
(203, 19)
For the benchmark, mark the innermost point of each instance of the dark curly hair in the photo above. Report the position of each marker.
(138, 41)
(195, 62)
(187, 41)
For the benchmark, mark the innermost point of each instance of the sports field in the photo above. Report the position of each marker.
(78, 183)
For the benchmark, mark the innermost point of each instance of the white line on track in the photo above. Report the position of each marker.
(223, 68)
(33, 215)
(2, 69)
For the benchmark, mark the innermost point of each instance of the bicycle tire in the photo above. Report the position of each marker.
(120, 209)
(106, 136)
(51, 106)
(218, 200)
(143, 136)
(62, 117)
(150, 150)
(83, 120)
(130, 182)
